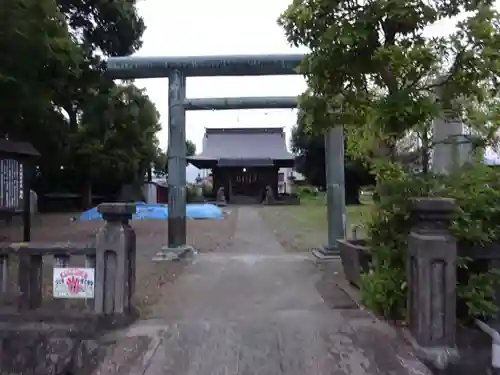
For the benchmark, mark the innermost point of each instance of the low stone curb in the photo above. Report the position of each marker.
(167, 254)
(323, 255)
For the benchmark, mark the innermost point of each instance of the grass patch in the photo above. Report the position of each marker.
(302, 227)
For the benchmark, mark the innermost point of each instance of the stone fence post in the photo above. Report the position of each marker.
(115, 260)
(432, 258)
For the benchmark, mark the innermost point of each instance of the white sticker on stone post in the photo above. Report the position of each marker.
(73, 283)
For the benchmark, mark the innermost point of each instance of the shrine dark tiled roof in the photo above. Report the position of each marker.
(244, 143)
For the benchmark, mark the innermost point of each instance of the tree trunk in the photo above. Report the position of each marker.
(425, 152)
(87, 195)
(386, 149)
(392, 153)
(352, 193)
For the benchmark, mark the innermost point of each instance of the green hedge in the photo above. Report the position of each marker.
(476, 189)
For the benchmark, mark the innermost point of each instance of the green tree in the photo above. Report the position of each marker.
(116, 140)
(54, 91)
(379, 73)
(190, 148)
(38, 57)
(101, 115)
(100, 29)
(161, 161)
(310, 150)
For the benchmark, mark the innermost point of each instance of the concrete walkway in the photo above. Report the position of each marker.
(258, 310)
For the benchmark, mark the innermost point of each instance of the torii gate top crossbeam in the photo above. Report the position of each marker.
(131, 67)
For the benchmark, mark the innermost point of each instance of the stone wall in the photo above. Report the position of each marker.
(49, 349)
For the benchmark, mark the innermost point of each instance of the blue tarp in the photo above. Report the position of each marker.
(160, 211)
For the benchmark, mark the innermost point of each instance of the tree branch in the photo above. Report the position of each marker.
(453, 70)
(384, 71)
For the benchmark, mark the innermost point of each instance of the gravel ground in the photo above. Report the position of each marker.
(204, 235)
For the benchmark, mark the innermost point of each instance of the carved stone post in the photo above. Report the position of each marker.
(269, 197)
(115, 260)
(221, 197)
(432, 255)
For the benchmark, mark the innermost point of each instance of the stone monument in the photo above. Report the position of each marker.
(269, 197)
(221, 197)
(452, 147)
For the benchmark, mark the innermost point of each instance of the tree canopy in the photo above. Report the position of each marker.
(376, 68)
(309, 147)
(54, 93)
(161, 161)
(41, 56)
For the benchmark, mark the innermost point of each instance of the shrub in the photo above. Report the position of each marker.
(207, 191)
(192, 194)
(476, 189)
(306, 191)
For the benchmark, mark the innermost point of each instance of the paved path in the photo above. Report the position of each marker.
(257, 310)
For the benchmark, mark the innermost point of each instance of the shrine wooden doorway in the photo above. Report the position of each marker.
(246, 181)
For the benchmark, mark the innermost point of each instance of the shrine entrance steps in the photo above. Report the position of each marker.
(245, 200)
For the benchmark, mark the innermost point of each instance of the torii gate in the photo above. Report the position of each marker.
(177, 69)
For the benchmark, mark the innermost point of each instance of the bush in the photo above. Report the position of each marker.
(192, 195)
(476, 189)
(306, 191)
(207, 191)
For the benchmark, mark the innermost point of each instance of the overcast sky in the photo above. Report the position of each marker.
(218, 27)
